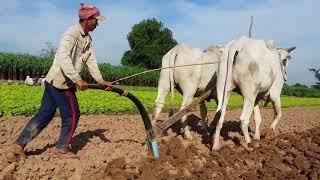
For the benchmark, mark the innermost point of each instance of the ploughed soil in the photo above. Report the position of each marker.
(114, 147)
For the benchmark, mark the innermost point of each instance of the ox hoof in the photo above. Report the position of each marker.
(187, 135)
(256, 137)
(246, 146)
(273, 127)
(266, 133)
(203, 128)
(215, 147)
(255, 144)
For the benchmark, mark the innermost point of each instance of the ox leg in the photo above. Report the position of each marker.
(204, 117)
(257, 120)
(216, 143)
(248, 104)
(185, 128)
(277, 110)
(159, 103)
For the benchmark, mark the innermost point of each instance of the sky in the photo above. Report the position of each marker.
(25, 25)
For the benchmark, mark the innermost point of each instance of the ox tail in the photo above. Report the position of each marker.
(225, 75)
(172, 60)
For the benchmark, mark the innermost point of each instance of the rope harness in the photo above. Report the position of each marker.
(152, 70)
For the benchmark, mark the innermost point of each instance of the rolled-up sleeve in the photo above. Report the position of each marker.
(93, 67)
(64, 57)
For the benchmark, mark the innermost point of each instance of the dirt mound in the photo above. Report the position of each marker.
(286, 156)
(113, 147)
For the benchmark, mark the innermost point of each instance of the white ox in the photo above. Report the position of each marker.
(255, 69)
(191, 81)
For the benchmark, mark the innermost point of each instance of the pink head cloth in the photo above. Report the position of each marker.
(86, 11)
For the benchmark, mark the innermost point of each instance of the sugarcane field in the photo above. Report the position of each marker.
(159, 90)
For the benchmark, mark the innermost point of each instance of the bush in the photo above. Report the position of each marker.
(300, 91)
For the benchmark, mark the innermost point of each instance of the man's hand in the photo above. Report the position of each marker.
(82, 85)
(107, 85)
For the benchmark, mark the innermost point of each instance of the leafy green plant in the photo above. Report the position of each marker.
(19, 99)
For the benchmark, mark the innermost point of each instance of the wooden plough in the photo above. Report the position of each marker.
(160, 127)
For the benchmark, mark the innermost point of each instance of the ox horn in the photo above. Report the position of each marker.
(290, 49)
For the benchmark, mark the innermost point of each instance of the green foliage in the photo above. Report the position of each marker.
(35, 65)
(298, 85)
(24, 63)
(317, 86)
(148, 41)
(25, 100)
(300, 91)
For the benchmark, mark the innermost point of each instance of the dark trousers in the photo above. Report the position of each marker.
(67, 103)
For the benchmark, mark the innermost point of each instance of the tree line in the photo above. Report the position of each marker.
(148, 40)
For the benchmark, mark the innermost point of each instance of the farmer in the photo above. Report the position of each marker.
(41, 81)
(61, 82)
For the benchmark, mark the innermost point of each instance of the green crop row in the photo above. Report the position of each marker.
(17, 66)
(24, 63)
(27, 65)
(25, 100)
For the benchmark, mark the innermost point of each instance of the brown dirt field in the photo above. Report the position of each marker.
(113, 147)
